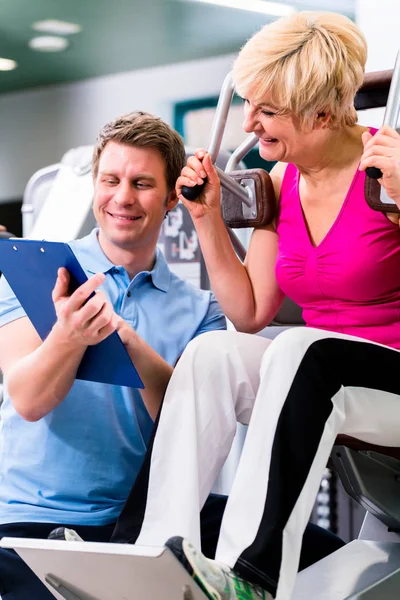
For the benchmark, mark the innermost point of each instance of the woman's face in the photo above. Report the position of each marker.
(281, 136)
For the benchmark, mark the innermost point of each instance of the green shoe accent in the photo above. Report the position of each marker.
(246, 591)
(218, 582)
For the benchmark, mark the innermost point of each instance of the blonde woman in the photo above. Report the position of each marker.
(333, 255)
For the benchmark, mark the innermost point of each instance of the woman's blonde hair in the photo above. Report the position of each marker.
(305, 64)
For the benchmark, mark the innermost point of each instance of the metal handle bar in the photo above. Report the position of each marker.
(217, 132)
(391, 111)
(241, 152)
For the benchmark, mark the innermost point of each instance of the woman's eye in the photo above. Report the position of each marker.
(268, 113)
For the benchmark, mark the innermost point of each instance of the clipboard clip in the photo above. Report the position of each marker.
(61, 588)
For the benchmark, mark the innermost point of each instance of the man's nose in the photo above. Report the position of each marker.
(125, 194)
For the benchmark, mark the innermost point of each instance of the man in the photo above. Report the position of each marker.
(72, 449)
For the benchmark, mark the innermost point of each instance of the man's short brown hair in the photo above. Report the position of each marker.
(143, 130)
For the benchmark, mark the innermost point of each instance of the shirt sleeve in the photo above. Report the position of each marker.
(10, 308)
(214, 318)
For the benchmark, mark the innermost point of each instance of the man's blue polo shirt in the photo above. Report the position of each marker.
(78, 463)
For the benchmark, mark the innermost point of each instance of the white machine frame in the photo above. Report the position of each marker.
(100, 571)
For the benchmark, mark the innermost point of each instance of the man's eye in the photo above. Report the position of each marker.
(110, 181)
(142, 186)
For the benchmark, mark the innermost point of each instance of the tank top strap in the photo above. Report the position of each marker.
(289, 190)
(289, 182)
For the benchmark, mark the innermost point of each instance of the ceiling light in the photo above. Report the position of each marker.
(56, 27)
(275, 9)
(6, 64)
(48, 43)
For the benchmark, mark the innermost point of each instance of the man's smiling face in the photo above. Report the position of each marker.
(131, 196)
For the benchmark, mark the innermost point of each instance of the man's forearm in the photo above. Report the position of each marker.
(38, 382)
(154, 371)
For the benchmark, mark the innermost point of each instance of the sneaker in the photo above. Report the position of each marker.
(63, 533)
(217, 581)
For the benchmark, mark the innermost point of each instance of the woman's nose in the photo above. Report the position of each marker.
(250, 121)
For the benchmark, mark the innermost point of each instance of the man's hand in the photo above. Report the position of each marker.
(127, 334)
(81, 321)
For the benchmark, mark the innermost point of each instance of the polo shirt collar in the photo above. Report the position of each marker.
(94, 260)
(160, 273)
(92, 256)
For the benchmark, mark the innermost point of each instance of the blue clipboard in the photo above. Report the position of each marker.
(30, 267)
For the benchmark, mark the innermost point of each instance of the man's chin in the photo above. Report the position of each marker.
(119, 239)
(124, 242)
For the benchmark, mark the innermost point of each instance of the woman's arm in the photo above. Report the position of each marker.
(382, 151)
(247, 293)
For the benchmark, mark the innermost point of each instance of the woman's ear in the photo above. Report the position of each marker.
(322, 119)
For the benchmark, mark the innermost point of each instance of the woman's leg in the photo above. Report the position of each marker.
(214, 385)
(314, 385)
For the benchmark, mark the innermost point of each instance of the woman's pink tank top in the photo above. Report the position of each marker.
(350, 282)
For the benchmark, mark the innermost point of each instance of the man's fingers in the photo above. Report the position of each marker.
(106, 331)
(116, 321)
(103, 324)
(91, 309)
(79, 297)
(60, 289)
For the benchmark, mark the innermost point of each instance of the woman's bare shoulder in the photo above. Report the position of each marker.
(277, 172)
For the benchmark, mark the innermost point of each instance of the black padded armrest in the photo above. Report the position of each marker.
(374, 91)
(355, 444)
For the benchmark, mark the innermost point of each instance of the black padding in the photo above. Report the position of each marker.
(374, 91)
(371, 98)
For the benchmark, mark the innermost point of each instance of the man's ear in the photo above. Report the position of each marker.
(172, 200)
